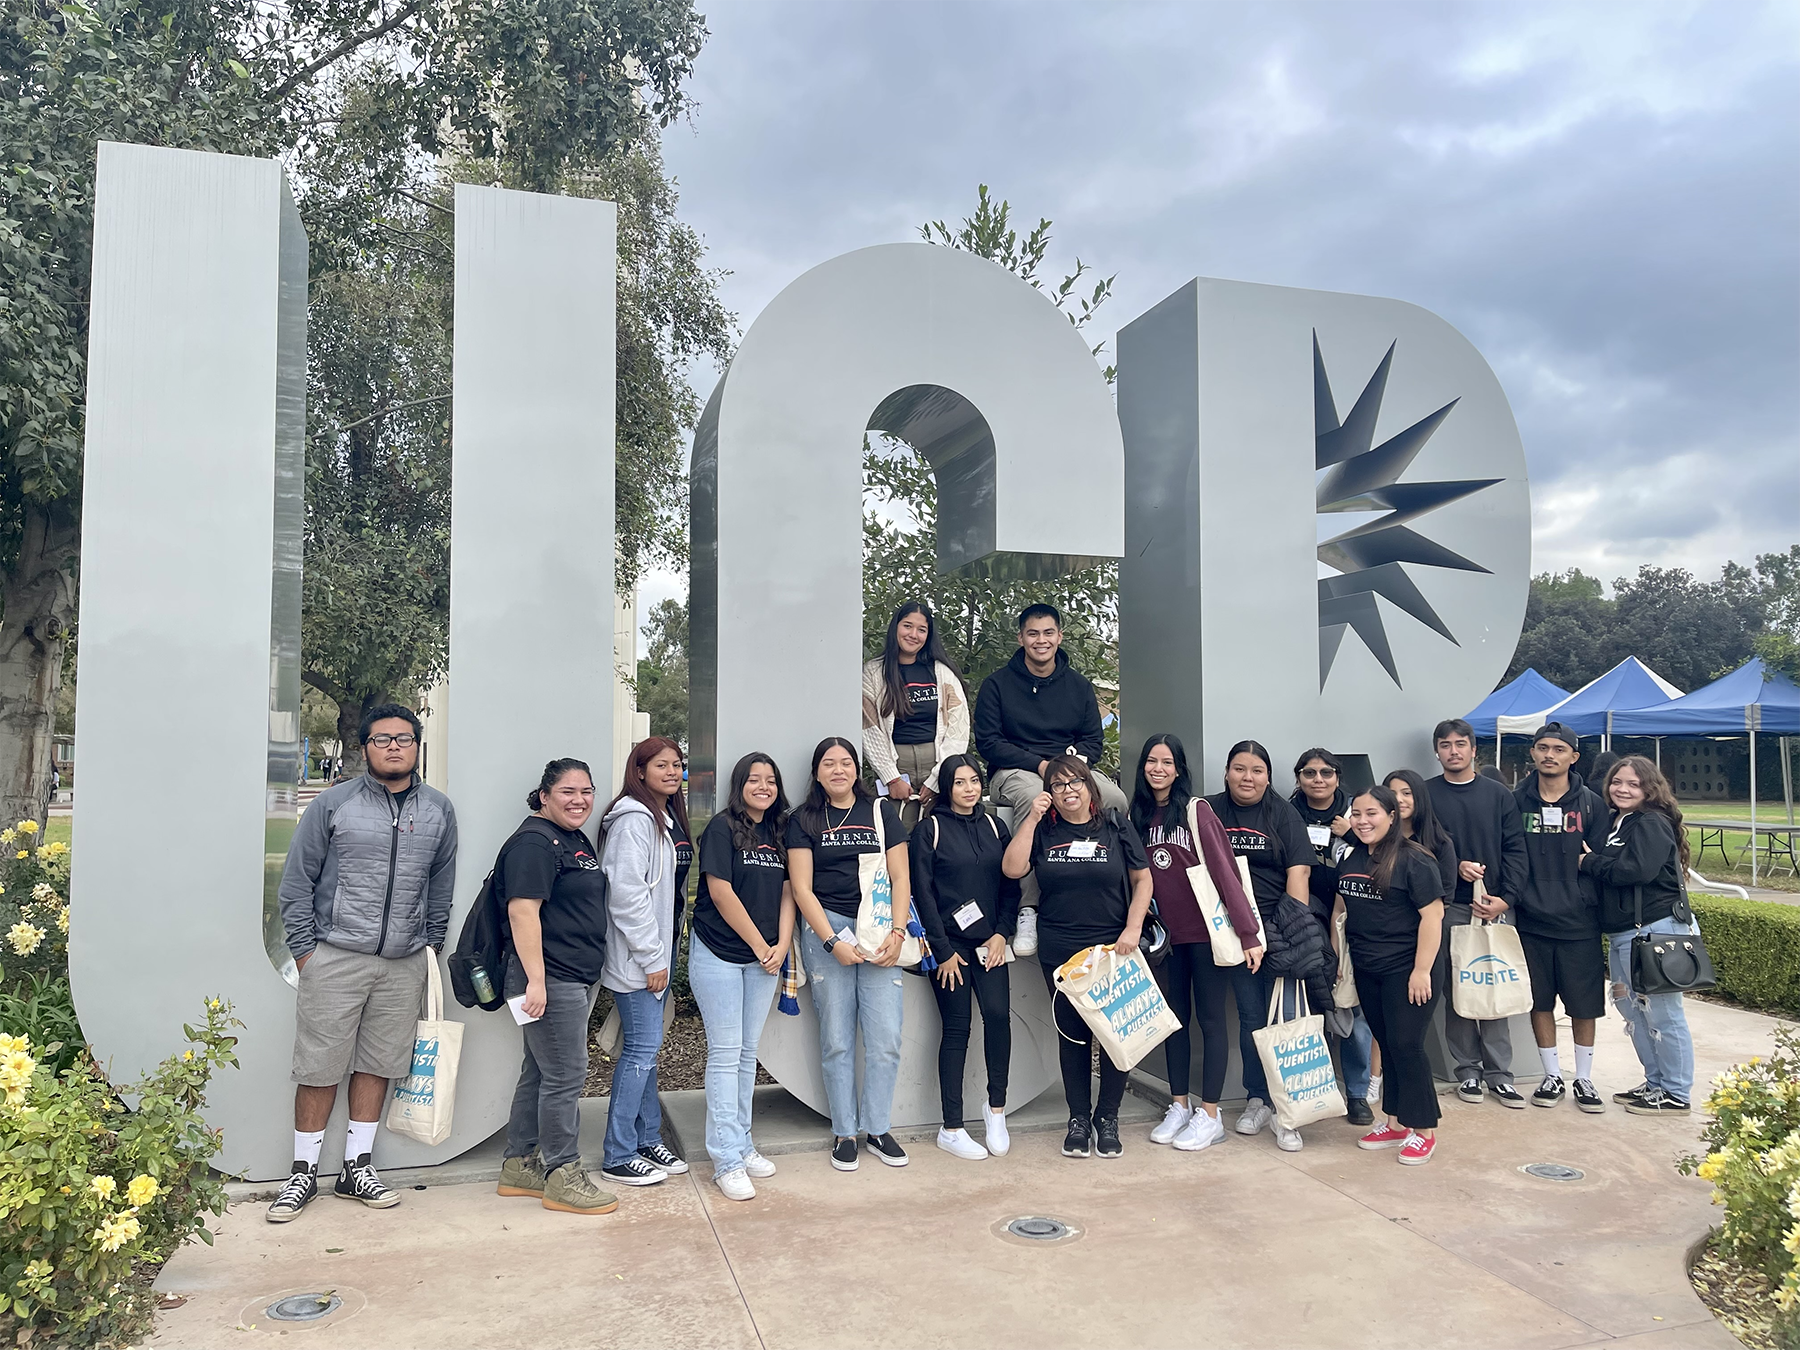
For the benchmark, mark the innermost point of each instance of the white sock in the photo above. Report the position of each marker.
(1584, 1062)
(1551, 1062)
(307, 1147)
(360, 1139)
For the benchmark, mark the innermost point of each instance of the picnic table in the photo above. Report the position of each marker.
(1775, 841)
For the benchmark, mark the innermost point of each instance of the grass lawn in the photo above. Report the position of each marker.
(1773, 813)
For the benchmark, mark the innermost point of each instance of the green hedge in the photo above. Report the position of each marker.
(1756, 947)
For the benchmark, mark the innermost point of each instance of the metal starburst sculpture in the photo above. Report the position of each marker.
(1370, 557)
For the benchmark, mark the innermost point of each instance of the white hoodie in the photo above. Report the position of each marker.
(639, 863)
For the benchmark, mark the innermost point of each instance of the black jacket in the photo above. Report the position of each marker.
(1559, 901)
(1638, 853)
(1323, 882)
(956, 859)
(1482, 820)
(1021, 719)
(1299, 948)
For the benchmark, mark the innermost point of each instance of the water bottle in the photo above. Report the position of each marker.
(484, 987)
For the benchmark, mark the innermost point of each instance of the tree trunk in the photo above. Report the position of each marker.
(350, 715)
(39, 606)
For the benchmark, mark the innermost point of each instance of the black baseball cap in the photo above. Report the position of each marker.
(1556, 731)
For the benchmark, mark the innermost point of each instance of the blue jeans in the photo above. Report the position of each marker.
(734, 1003)
(1251, 993)
(1353, 1054)
(634, 1116)
(1656, 1023)
(848, 998)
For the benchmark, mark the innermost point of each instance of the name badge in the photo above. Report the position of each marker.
(1551, 817)
(1082, 848)
(1319, 834)
(968, 916)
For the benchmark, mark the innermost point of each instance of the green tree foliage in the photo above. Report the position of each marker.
(662, 674)
(977, 616)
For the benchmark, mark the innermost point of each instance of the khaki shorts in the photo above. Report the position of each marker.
(357, 1012)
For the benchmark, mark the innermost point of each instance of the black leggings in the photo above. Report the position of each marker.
(1189, 979)
(1408, 1093)
(1075, 1050)
(993, 990)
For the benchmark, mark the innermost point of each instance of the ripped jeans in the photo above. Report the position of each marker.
(1657, 1023)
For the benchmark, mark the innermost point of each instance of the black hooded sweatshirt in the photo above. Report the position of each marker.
(1021, 719)
(1638, 853)
(1559, 901)
(1323, 881)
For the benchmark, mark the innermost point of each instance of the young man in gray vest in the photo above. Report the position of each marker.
(365, 901)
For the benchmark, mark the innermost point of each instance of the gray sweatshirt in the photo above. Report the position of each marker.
(640, 902)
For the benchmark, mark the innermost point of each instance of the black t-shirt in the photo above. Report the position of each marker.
(1382, 923)
(837, 877)
(684, 859)
(561, 870)
(915, 720)
(1084, 892)
(1270, 835)
(756, 876)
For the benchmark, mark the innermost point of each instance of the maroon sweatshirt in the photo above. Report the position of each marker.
(1172, 850)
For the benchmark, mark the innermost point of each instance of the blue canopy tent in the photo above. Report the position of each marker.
(1518, 695)
(1750, 699)
(1591, 709)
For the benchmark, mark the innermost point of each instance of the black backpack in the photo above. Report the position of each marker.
(485, 939)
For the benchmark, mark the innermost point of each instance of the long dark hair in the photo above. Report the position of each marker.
(946, 773)
(1181, 791)
(737, 810)
(1427, 830)
(1658, 797)
(811, 812)
(638, 790)
(553, 772)
(1391, 846)
(893, 690)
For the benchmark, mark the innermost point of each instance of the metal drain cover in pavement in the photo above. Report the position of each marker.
(304, 1307)
(1552, 1172)
(1038, 1229)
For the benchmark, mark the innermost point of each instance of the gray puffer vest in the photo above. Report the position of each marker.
(370, 870)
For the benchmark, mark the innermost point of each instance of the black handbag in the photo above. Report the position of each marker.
(1669, 963)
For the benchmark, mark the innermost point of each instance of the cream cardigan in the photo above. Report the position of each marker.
(878, 730)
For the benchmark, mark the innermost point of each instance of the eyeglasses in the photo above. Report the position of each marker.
(382, 740)
(1318, 773)
(1067, 785)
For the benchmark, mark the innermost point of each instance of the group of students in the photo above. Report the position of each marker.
(1386, 872)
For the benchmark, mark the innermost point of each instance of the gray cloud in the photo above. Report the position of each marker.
(1603, 198)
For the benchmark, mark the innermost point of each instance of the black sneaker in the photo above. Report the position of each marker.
(1471, 1090)
(1550, 1092)
(1508, 1095)
(301, 1187)
(1106, 1137)
(1586, 1098)
(1656, 1102)
(1077, 1143)
(635, 1171)
(887, 1148)
(843, 1154)
(1357, 1111)
(1630, 1095)
(658, 1155)
(358, 1182)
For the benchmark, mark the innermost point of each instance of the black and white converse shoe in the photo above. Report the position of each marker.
(636, 1170)
(358, 1182)
(301, 1187)
(660, 1155)
(1586, 1097)
(1550, 1092)
(1508, 1095)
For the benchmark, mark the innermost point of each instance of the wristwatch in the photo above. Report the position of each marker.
(830, 942)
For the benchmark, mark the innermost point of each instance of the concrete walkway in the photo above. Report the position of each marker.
(1241, 1245)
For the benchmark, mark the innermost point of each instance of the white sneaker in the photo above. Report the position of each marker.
(1174, 1120)
(1288, 1141)
(1374, 1097)
(998, 1140)
(735, 1185)
(1025, 939)
(757, 1165)
(958, 1145)
(1200, 1132)
(1256, 1115)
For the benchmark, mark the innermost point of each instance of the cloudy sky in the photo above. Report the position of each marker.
(1604, 199)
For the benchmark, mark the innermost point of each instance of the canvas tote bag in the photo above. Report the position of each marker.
(875, 912)
(1227, 950)
(425, 1099)
(1343, 993)
(1119, 999)
(1489, 979)
(1297, 1061)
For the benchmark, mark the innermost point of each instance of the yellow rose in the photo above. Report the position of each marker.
(17, 1066)
(8, 835)
(31, 827)
(25, 938)
(142, 1190)
(8, 1044)
(187, 1054)
(23, 853)
(62, 920)
(115, 1232)
(103, 1187)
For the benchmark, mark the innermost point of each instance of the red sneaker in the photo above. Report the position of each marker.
(1388, 1135)
(1417, 1150)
